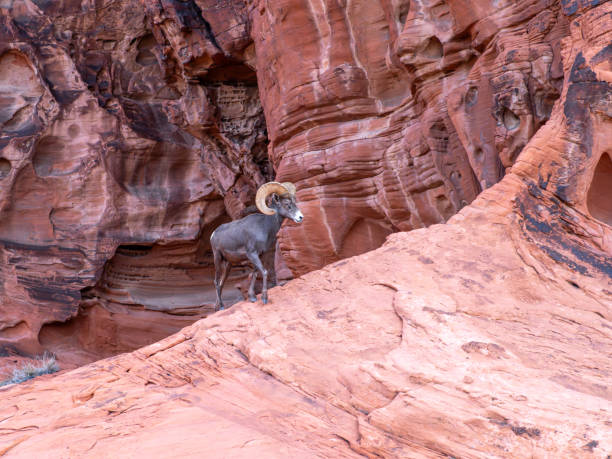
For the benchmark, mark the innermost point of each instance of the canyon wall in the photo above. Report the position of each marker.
(130, 130)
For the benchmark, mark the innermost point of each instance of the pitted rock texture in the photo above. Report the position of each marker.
(485, 337)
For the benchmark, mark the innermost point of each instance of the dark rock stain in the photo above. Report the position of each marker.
(530, 432)
(591, 445)
(556, 236)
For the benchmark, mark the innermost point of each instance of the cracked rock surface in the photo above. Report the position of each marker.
(476, 354)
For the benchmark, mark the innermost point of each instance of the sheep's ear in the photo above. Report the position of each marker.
(274, 198)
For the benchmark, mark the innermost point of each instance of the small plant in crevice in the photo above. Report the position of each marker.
(46, 366)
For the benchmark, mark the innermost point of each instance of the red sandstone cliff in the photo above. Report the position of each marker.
(488, 336)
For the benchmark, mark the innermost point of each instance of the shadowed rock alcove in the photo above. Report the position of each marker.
(599, 198)
(5, 167)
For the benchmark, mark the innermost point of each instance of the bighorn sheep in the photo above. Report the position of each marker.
(253, 235)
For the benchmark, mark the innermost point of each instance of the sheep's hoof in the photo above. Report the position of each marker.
(219, 307)
(253, 299)
(264, 300)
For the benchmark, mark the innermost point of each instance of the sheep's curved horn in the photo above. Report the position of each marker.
(290, 187)
(266, 190)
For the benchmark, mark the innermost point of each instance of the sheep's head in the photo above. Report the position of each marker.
(282, 200)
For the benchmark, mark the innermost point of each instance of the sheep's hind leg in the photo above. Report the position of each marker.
(251, 293)
(222, 269)
(254, 258)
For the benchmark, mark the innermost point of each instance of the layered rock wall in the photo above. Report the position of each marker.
(128, 131)
(399, 113)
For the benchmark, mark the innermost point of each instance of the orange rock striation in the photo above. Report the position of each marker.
(488, 336)
(393, 115)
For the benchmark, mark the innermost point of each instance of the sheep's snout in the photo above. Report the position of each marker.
(298, 217)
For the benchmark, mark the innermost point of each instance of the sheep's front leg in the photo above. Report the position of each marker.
(254, 258)
(218, 265)
(252, 297)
